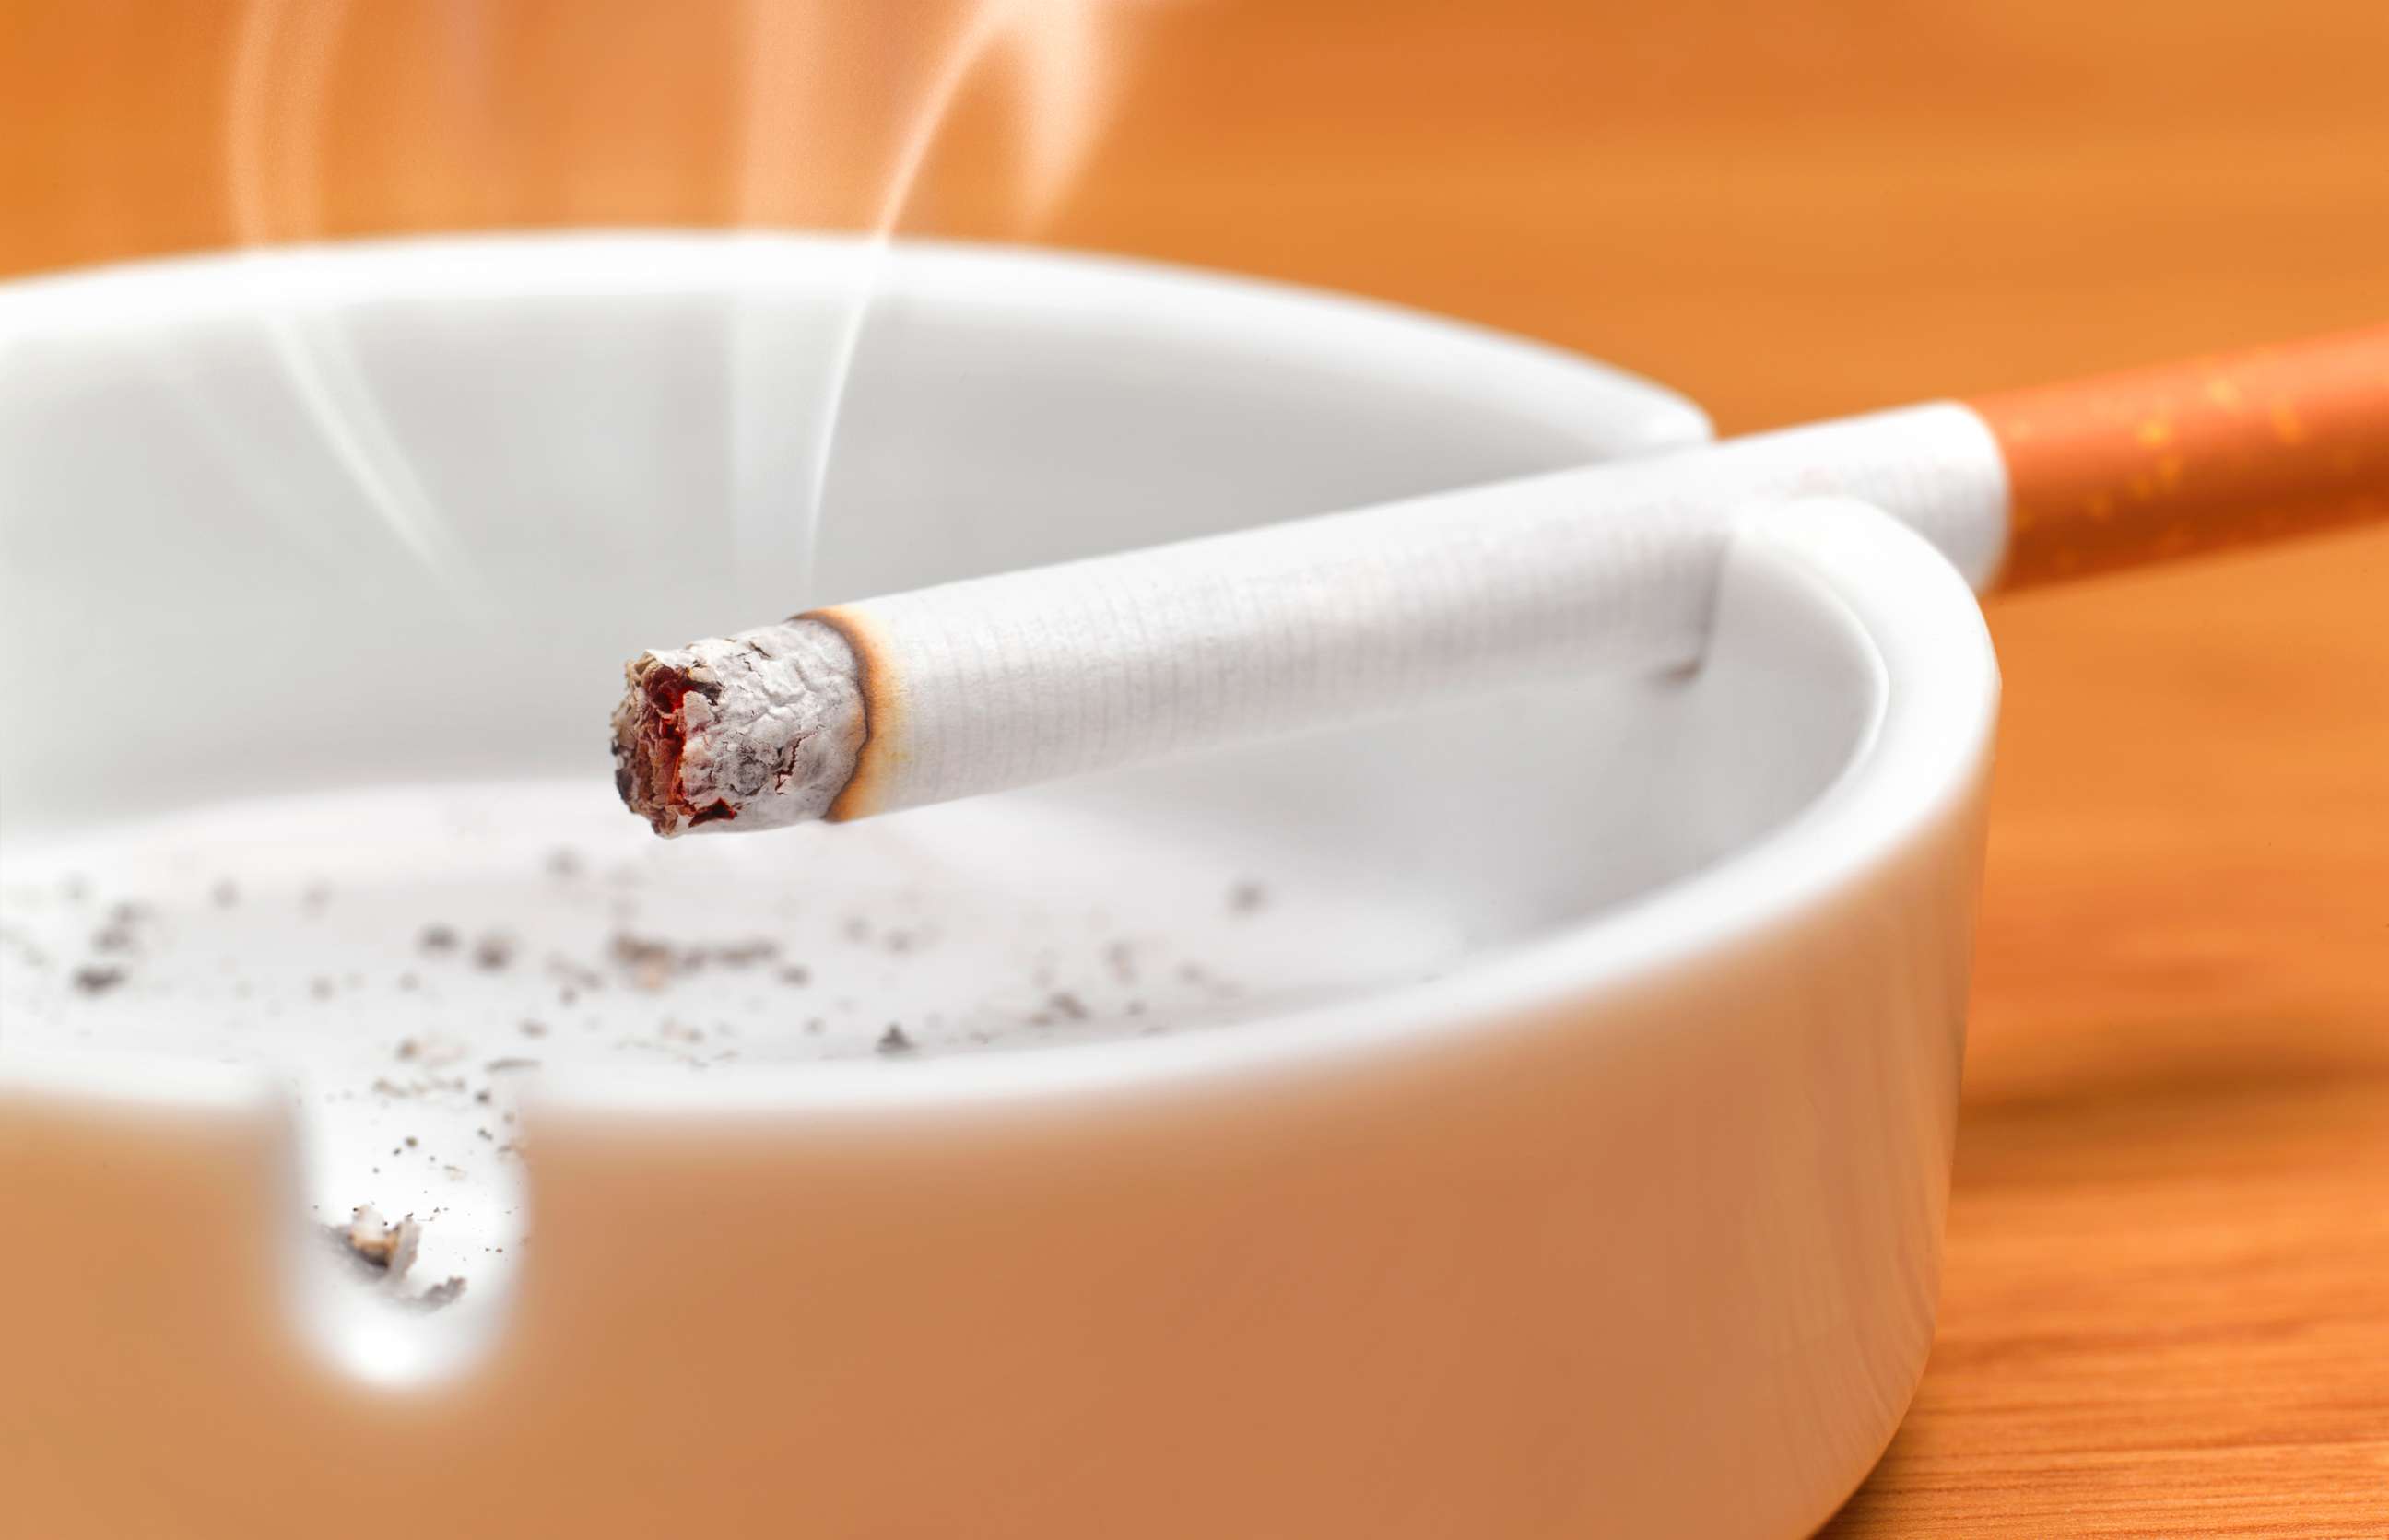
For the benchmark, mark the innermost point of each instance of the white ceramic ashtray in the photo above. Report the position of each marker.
(1525, 1117)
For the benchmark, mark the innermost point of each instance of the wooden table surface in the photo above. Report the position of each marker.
(2166, 1307)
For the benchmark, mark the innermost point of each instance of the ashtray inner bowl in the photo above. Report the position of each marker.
(335, 554)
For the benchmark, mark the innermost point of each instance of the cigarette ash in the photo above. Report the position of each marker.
(412, 961)
(761, 728)
(381, 1254)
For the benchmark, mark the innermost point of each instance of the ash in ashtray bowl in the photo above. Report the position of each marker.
(410, 962)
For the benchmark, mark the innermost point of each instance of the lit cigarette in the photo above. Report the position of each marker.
(1029, 676)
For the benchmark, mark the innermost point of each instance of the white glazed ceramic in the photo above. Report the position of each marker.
(1626, 1221)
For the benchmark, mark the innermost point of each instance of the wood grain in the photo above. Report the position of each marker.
(2166, 1308)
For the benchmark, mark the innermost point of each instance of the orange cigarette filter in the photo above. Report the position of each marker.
(2140, 466)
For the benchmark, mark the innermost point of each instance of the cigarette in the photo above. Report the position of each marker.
(1030, 676)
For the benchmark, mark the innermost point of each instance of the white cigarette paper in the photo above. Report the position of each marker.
(1027, 676)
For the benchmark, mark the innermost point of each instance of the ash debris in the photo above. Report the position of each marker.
(381, 1254)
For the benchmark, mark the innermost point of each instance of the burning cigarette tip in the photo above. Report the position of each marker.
(758, 730)
(651, 730)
